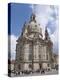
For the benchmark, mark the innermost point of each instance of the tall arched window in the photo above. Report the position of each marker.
(47, 57)
(30, 52)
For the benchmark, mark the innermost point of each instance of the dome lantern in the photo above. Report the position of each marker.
(32, 18)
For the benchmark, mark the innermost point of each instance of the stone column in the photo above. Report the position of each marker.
(36, 57)
(26, 56)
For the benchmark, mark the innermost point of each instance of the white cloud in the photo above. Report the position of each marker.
(13, 43)
(54, 38)
(12, 46)
(47, 15)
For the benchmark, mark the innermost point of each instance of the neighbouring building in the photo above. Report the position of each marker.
(33, 52)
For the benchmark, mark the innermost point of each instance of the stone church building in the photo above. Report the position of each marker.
(32, 51)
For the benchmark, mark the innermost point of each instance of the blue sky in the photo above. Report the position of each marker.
(46, 15)
(19, 14)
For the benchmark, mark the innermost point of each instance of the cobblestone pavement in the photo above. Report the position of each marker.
(53, 72)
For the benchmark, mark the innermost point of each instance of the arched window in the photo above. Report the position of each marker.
(30, 56)
(19, 66)
(30, 65)
(47, 57)
(30, 52)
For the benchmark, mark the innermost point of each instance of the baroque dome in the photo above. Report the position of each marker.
(33, 26)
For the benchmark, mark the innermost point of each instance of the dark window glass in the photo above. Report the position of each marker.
(30, 65)
(47, 57)
(30, 56)
(48, 65)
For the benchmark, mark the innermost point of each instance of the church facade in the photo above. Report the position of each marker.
(32, 51)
